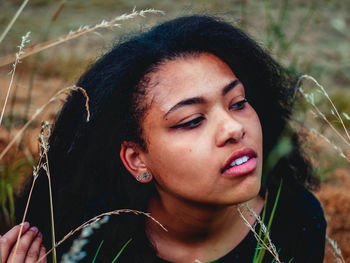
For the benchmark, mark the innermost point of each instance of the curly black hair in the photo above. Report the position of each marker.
(88, 176)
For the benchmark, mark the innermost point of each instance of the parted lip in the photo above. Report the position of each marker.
(246, 151)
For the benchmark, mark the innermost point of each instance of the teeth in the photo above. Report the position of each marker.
(239, 161)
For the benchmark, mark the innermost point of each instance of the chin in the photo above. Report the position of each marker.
(247, 195)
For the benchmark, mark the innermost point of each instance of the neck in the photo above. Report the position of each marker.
(193, 227)
(189, 221)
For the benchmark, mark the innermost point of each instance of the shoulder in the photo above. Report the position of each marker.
(299, 205)
(299, 225)
(296, 228)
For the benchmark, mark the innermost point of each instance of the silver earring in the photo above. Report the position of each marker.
(143, 177)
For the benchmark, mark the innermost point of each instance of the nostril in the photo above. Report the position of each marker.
(235, 137)
(230, 140)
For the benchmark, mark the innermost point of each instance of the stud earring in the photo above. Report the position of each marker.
(145, 177)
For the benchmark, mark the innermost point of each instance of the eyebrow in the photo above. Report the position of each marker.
(190, 101)
(201, 100)
(230, 86)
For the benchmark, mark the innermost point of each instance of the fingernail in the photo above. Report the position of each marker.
(24, 224)
(39, 234)
(34, 229)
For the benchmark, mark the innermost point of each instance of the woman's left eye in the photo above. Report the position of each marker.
(238, 105)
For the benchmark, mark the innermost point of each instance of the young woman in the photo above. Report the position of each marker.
(183, 119)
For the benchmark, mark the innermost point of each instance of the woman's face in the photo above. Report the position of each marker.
(204, 141)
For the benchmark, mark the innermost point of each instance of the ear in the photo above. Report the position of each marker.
(131, 156)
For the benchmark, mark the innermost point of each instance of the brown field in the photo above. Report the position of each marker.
(311, 37)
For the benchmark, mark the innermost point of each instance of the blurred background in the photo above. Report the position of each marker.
(307, 37)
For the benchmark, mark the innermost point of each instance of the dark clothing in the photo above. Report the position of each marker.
(297, 231)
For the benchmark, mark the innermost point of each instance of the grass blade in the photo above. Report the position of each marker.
(261, 253)
(98, 250)
(121, 250)
(257, 250)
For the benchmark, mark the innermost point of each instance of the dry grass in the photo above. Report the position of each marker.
(7, 29)
(96, 218)
(37, 113)
(269, 246)
(82, 30)
(114, 23)
(18, 56)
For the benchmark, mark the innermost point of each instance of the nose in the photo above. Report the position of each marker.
(229, 130)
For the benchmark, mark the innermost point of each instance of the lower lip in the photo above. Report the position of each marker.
(243, 169)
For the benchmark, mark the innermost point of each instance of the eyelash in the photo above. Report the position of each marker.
(240, 105)
(190, 124)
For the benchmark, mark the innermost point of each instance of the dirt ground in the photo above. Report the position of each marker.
(335, 198)
(322, 50)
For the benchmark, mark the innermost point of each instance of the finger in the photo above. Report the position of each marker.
(41, 255)
(34, 249)
(10, 238)
(26, 240)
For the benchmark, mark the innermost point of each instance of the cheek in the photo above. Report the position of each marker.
(176, 157)
(258, 130)
(255, 126)
(257, 135)
(168, 154)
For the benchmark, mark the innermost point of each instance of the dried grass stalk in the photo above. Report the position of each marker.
(310, 98)
(268, 246)
(336, 252)
(18, 56)
(39, 110)
(7, 29)
(96, 218)
(79, 32)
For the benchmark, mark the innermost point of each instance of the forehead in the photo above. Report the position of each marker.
(185, 77)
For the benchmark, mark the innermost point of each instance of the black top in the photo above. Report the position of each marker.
(297, 231)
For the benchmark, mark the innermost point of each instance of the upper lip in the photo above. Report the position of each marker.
(246, 151)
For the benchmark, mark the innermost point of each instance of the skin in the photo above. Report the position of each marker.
(29, 248)
(187, 148)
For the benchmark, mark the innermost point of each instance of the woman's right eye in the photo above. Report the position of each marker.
(190, 124)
